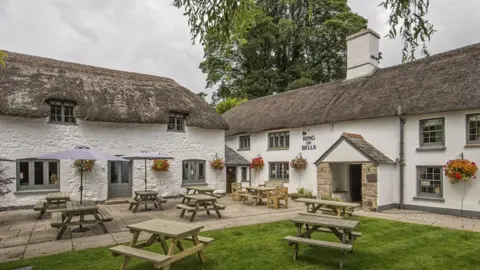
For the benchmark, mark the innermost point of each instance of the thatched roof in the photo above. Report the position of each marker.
(233, 158)
(365, 148)
(100, 94)
(444, 82)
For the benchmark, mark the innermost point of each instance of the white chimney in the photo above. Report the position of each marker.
(362, 53)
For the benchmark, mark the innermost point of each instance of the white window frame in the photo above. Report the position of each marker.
(279, 140)
(422, 135)
(284, 170)
(63, 107)
(194, 174)
(176, 122)
(31, 173)
(477, 128)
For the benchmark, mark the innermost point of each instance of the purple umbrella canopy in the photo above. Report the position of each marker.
(146, 155)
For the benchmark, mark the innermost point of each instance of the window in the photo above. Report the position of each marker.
(429, 181)
(432, 132)
(38, 174)
(193, 172)
(62, 112)
(119, 172)
(244, 142)
(279, 171)
(244, 174)
(473, 128)
(279, 140)
(176, 122)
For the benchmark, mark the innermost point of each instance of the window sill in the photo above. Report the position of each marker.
(176, 131)
(243, 149)
(278, 149)
(431, 148)
(283, 180)
(62, 123)
(472, 145)
(33, 192)
(425, 198)
(195, 184)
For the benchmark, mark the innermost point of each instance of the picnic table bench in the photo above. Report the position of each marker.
(146, 197)
(338, 208)
(341, 228)
(198, 203)
(272, 183)
(161, 231)
(75, 208)
(256, 193)
(201, 190)
(54, 202)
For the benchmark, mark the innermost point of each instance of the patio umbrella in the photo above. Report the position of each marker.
(81, 153)
(146, 155)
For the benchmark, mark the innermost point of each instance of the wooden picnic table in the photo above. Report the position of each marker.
(54, 202)
(338, 208)
(256, 193)
(75, 208)
(200, 202)
(162, 230)
(146, 197)
(341, 228)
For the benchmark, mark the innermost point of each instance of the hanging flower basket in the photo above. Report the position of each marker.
(217, 163)
(299, 163)
(86, 167)
(160, 165)
(257, 163)
(460, 170)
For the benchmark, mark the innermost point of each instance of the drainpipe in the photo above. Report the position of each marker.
(401, 159)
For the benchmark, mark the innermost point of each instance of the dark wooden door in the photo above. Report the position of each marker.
(356, 182)
(231, 178)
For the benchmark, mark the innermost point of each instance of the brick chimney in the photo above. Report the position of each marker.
(362, 53)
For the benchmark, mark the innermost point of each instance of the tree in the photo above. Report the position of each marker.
(3, 55)
(291, 46)
(230, 20)
(203, 95)
(4, 182)
(227, 104)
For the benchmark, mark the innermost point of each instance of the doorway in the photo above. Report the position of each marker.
(231, 178)
(355, 182)
(119, 178)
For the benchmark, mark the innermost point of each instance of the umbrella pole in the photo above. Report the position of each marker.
(82, 218)
(145, 175)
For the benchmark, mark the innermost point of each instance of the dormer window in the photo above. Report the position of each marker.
(62, 112)
(176, 122)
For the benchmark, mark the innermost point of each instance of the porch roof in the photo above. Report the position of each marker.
(234, 158)
(363, 147)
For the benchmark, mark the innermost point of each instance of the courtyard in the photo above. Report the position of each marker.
(248, 237)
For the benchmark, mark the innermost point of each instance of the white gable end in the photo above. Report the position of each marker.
(344, 152)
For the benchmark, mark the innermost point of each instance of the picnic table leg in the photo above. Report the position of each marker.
(42, 212)
(206, 207)
(159, 202)
(194, 213)
(64, 226)
(201, 254)
(170, 252)
(179, 246)
(163, 243)
(100, 222)
(132, 244)
(217, 210)
(299, 234)
(344, 241)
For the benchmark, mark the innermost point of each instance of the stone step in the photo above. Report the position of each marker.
(118, 200)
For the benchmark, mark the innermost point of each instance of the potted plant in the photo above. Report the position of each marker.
(301, 193)
(83, 164)
(257, 163)
(160, 165)
(460, 170)
(299, 163)
(217, 163)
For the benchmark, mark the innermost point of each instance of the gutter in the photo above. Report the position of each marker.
(401, 158)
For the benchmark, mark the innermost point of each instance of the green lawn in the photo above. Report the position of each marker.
(383, 245)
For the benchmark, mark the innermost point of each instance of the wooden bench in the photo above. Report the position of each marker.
(273, 183)
(39, 205)
(319, 215)
(318, 243)
(132, 203)
(186, 207)
(221, 206)
(106, 216)
(159, 260)
(57, 220)
(204, 240)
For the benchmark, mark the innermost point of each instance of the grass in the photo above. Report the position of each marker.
(383, 245)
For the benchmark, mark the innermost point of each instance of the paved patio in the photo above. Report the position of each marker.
(22, 236)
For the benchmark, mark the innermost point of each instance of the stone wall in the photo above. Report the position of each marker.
(324, 180)
(369, 186)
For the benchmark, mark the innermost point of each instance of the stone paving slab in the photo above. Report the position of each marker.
(44, 249)
(93, 241)
(12, 253)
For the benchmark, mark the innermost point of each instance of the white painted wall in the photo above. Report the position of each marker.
(345, 152)
(340, 176)
(455, 141)
(381, 133)
(388, 185)
(23, 136)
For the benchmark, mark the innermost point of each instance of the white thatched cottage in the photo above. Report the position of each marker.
(380, 136)
(48, 105)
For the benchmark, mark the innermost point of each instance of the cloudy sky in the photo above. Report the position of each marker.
(153, 37)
